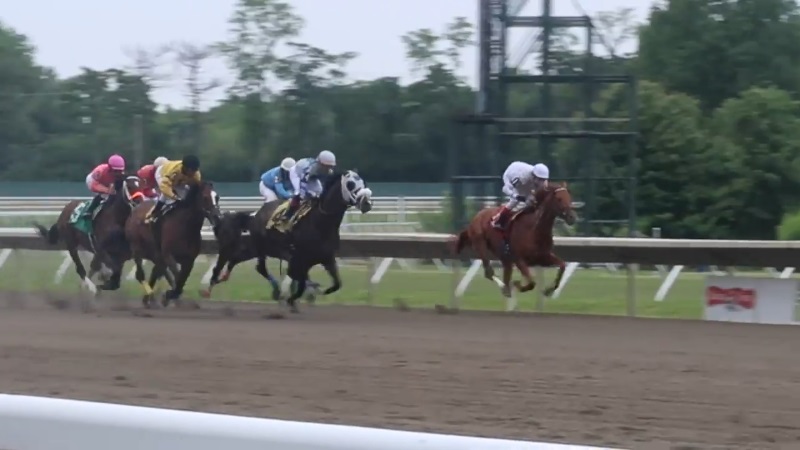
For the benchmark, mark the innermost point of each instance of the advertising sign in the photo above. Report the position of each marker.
(750, 299)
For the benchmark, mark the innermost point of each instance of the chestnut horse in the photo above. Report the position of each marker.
(530, 236)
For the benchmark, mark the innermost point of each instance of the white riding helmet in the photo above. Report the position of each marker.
(541, 171)
(287, 164)
(160, 161)
(327, 157)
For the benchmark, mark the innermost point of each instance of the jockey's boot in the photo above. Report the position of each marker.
(293, 205)
(155, 213)
(92, 206)
(501, 218)
(500, 222)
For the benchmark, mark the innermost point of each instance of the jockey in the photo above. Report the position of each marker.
(101, 181)
(147, 175)
(275, 183)
(172, 176)
(305, 177)
(519, 181)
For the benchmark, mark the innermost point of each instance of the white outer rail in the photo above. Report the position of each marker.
(37, 423)
(579, 245)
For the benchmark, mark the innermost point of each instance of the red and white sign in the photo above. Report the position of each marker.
(750, 299)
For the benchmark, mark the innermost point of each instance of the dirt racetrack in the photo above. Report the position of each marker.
(592, 380)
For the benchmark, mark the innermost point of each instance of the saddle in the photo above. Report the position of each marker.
(278, 223)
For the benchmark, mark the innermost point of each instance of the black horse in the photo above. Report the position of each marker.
(236, 246)
(313, 238)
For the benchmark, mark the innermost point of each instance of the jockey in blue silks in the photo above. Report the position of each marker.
(275, 183)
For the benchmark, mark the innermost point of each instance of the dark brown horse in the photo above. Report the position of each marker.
(530, 235)
(173, 242)
(95, 234)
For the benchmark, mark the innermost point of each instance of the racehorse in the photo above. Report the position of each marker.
(94, 233)
(174, 240)
(234, 248)
(530, 235)
(314, 235)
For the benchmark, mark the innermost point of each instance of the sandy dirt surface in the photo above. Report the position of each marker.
(599, 381)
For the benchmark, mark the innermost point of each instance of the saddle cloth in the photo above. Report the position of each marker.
(79, 221)
(277, 222)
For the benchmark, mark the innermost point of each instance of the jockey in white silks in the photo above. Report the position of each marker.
(520, 181)
(306, 178)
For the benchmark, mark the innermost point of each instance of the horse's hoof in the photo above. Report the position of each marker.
(205, 293)
(549, 291)
(311, 298)
(506, 290)
(224, 277)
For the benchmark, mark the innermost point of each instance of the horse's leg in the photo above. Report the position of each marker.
(332, 268)
(95, 266)
(221, 260)
(113, 282)
(300, 275)
(481, 247)
(158, 271)
(261, 268)
(80, 269)
(508, 269)
(180, 279)
(522, 265)
(554, 260)
(140, 277)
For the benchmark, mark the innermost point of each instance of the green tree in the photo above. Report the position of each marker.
(258, 27)
(760, 135)
(714, 49)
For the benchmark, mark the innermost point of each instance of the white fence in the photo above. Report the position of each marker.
(36, 423)
(382, 250)
(397, 207)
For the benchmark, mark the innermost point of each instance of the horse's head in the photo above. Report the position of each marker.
(557, 196)
(204, 198)
(355, 191)
(350, 190)
(132, 190)
(129, 190)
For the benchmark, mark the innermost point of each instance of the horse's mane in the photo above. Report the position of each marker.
(331, 180)
(194, 191)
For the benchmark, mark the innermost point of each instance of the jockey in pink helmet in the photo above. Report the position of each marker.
(101, 181)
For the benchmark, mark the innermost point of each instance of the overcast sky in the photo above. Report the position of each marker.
(94, 33)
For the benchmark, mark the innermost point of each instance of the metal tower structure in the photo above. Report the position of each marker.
(492, 127)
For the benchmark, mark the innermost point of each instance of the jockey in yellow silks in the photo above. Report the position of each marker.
(172, 178)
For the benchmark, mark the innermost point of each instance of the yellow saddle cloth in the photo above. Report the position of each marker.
(277, 222)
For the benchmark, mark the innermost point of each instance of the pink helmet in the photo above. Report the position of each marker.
(116, 162)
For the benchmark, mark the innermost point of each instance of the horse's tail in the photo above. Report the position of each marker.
(49, 234)
(462, 241)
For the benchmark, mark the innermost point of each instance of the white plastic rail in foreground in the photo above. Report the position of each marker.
(36, 423)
